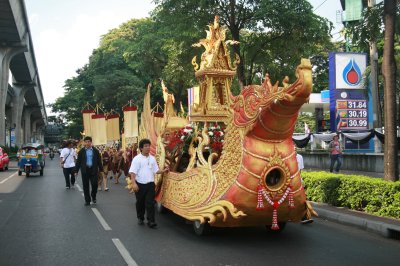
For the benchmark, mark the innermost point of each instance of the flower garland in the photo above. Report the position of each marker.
(262, 193)
(216, 134)
(180, 137)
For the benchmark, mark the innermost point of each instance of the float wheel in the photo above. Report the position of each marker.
(201, 229)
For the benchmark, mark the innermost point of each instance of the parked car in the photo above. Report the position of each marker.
(4, 160)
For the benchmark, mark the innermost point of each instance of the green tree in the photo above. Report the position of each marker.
(274, 35)
(371, 27)
(389, 75)
(109, 79)
(379, 23)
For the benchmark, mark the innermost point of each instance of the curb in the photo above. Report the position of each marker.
(382, 228)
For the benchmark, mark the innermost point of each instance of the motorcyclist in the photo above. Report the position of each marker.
(51, 154)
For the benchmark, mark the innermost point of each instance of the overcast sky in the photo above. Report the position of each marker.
(65, 33)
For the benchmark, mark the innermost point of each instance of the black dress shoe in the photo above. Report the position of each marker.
(152, 224)
(140, 222)
(87, 203)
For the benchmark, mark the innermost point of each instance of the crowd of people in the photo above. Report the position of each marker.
(97, 167)
(115, 162)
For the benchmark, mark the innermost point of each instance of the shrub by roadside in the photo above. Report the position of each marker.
(362, 193)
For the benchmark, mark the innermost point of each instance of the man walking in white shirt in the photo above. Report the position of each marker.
(143, 168)
(68, 157)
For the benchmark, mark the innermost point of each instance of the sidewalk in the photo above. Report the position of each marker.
(386, 227)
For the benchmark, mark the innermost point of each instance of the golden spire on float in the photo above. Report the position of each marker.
(169, 101)
(215, 75)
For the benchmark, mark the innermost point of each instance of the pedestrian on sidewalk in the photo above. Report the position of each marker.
(67, 162)
(143, 168)
(89, 161)
(300, 162)
(336, 154)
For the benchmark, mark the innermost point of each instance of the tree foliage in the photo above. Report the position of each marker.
(371, 28)
(273, 36)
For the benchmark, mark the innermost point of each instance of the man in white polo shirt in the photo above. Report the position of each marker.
(68, 157)
(143, 168)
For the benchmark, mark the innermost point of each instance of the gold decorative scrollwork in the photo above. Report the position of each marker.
(194, 63)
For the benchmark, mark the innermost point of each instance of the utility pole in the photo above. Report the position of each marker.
(373, 58)
(373, 55)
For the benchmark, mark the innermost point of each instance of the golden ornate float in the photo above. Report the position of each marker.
(255, 179)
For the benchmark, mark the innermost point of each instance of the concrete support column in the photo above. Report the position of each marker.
(36, 130)
(9, 123)
(40, 133)
(27, 124)
(18, 106)
(6, 54)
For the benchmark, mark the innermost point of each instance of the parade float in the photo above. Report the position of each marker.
(251, 178)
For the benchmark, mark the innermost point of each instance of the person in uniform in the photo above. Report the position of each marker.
(103, 176)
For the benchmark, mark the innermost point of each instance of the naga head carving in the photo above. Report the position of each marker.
(270, 111)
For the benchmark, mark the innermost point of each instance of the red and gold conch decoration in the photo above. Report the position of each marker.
(255, 180)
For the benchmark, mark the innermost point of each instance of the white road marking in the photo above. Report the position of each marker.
(101, 219)
(5, 180)
(79, 187)
(124, 252)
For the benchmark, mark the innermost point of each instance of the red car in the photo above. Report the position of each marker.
(4, 160)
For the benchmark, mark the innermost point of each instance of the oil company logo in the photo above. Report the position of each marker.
(352, 74)
(349, 69)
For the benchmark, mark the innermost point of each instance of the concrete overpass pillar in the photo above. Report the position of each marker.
(38, 133)
(27, 124)
(6, 54)
(18, 106)
(36, 130)
(9, 123)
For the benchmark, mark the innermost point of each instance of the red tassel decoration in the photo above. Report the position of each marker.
(291, 200)
(260, 202)
(275, 225)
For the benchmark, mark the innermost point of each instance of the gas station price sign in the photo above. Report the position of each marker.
(353, 114)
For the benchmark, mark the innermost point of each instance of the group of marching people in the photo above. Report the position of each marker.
(116, 162)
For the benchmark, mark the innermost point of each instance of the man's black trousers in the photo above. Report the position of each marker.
(69, 176)
(145, 201)
(87, 177)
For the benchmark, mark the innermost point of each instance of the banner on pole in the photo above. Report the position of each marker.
(112, 122)
(99, 132)
(87, 121)
(131, 132)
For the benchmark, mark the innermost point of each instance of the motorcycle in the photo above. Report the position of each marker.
(51, 155)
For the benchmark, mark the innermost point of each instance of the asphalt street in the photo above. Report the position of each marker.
(42, 223)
